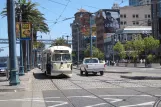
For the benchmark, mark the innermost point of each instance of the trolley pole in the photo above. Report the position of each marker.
(14, 77)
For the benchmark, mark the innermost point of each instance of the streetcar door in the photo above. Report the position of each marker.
(48, 63)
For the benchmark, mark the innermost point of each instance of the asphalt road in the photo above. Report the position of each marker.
(102, 91)
(108, 90)
(132, 69)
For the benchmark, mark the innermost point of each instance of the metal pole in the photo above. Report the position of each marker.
(21, 69)
(14, 77)
(32, 49)
(113, 49)
(78, 46)
(28, 57)
(91, 54)
(67, 38)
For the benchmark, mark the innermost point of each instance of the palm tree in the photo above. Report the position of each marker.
(33, 15)
(59, 41)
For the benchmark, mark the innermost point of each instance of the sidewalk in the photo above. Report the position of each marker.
(27, 94)
(23, 86)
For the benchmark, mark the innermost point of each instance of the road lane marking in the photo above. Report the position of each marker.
(96, 105)
(59, 104)
(114, 100)
(141, 104)
(39, 100)
(126, 95)
(81, 97)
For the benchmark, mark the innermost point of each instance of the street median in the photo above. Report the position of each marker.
(141, 76)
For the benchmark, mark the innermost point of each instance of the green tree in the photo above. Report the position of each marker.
(119, 48)
(96, 53)
(135, 47)
(128, 48)
(30, 14)
(39, 45)
(59, 41)
(150, 44)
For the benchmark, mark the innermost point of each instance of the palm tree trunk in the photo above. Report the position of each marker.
(35, 52)
(24, 55)
(30, 53)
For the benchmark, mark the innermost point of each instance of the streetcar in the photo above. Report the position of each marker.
(57, 60)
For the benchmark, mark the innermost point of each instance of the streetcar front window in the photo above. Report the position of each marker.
(66, 57)
(56, 57)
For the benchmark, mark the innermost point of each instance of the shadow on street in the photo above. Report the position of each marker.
(91, 75)
(43, 76)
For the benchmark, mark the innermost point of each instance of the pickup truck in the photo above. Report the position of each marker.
(92, 65)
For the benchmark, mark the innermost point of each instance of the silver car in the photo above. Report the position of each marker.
(3, 68)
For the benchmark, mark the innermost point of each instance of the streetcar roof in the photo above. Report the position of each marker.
(58, 48)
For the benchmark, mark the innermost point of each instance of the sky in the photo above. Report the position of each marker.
(56, 11)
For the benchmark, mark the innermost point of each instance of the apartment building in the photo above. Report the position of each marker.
(135, 16)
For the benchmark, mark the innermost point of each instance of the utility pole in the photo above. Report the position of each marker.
(14, 77)
(77, 46)
(91, 44)
(21, 69)
(67, 38)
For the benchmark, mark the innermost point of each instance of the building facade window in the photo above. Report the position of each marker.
(137, 16)
(121, 23)
(125, 22)
(134, 23)
(148, 15)
(133, 15)
(121, 16)
(137, 23)
(145, 15)
(124, 15)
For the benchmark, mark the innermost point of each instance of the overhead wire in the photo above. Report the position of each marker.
(61, 13)
(57, 2)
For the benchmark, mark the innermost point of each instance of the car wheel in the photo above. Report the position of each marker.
(95, 73)
(101, 73)
(86, 73)
(81, 72)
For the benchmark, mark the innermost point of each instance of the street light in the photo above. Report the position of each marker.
(77, 25)
(14, 77)
(19, 12)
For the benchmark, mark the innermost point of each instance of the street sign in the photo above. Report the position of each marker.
(26, 30)
(17, 30)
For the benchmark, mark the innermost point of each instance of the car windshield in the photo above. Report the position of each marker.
(66, 57)
(91, 61)
(3, 65)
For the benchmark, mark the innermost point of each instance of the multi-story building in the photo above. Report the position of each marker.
(133, 2)
(107, 22)
(135, 16)
(139, 2)
(126, 34)
(81, 33)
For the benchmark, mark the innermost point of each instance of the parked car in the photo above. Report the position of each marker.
(92, 65)
(3, 68)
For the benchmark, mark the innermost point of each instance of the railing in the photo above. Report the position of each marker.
(45, 41)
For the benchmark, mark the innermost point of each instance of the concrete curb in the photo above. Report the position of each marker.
(122, 72)
(141, 77)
